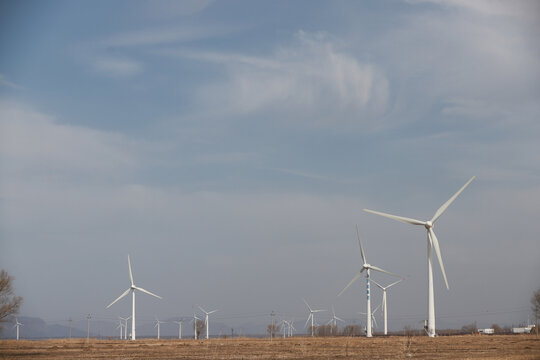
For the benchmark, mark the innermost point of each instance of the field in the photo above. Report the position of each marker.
(394, 347)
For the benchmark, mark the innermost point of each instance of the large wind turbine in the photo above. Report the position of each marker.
(206, 320)
(311, 316)
(432, 243)
(384, 306)
(367, 267)
(132, 288)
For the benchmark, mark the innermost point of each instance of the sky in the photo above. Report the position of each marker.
(230, 146)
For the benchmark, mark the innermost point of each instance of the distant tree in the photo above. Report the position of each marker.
(470, 329)
(323, 330)
(535, 302)
(9, 303)
(199, 327)
(497, 329)
(352, 330)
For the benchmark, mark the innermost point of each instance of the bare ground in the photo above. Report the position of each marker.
(511, 347)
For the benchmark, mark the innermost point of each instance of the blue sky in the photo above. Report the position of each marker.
(230, 148)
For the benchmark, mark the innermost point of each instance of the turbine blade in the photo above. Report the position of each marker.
(121, 296)
(394, 283)
(340, 319)
(204, 311)
(447, 204)
(305, 302)
(361, 248)
(384, 271)
(307, 321)
(130, 273)
(213, 311)
(376, 283)
(316, 311)
(350, 283)
(435, 244)
(148, 292)
(398, 218)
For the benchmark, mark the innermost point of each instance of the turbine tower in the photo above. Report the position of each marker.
(132, 289)
(367, 267)
(158, 323)
(194, 321)
(179, 328)
(432, 244)
(311, 316)
(17, 325)
(384, 305)
(206, 320)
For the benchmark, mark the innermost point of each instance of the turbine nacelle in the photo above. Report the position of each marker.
(429, 225)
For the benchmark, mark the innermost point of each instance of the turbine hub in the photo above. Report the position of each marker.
(428, 225)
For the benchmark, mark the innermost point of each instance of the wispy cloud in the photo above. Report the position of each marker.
(4, 82)
(117, 67)
(310, 80)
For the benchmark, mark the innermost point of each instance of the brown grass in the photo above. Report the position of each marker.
(394, 347)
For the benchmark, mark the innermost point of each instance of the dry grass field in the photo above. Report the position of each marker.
(451, 347)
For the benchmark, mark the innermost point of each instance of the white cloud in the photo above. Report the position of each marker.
(37, 145)
(310, 80)
(117, 67)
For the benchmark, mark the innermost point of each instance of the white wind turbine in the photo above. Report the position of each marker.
(179, 328)
(367, 267)
(311, 316)
(17, 325)
(121, 327)
(206, 323)
(334, 320)
(373, 320)
(432, 243)
(384, 305)
(125, 325)
(158, 325)
(132, 288)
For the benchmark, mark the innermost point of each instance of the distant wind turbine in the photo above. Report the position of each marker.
(206, 323)
(311, 316)
(367, 267)
(334, 320)
(132, 289)
(194, 321)
(158, 325)
(432, 243)
(384, 304)
(17, 325)
(125, 325)
(372, 315)
(179, 328)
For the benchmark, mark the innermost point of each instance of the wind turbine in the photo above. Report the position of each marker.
(158, 323)
(373, 320)
(121, 327)
(179, 328)
(334, 320)
(132, 289)
(206, 320)
(311, 316)
(125, 325)
(384, 305)
(17, 325)
(432, 243)
(367, 267)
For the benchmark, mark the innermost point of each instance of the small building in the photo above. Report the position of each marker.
(522, 330)
(488, 331)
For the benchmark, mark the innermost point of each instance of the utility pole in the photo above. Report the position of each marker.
(70, 328)
(88, 328)
(272, 314)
